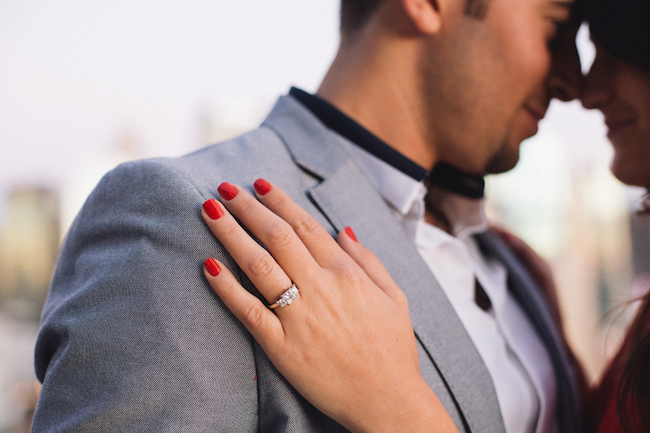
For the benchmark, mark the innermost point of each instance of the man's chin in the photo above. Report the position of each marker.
(504, 160)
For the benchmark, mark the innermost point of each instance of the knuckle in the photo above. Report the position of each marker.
(228, 230)
(244, 204)
(281, 236)
(253, 314)
(275, 200)
(261, 265)
(305, 225)
(351, 276)
(342, 263)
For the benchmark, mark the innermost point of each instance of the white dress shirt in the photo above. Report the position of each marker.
(504, 337)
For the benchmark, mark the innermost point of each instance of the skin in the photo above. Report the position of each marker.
(622, 92)
(350, 324)
(351, 353)
(494, 70)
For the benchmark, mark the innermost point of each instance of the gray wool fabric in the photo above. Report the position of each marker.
(134, 339)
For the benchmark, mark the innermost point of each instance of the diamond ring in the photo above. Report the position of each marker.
(287, 297)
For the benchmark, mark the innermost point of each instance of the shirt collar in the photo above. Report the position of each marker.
(345, 126)
(401, 191)
(466, 215)
(396, 178)
(399, 180)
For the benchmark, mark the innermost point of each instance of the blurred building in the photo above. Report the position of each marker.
(229, 117)
(640, 233)
(29, 243)
(577, 217)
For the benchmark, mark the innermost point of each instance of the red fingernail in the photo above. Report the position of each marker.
(227, 191)
(213, 209)
(350, 233)
(212, 267)
(262, 186)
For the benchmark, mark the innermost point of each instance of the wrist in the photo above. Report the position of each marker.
(409, 407)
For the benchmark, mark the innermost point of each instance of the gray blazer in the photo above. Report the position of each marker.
(133, 338)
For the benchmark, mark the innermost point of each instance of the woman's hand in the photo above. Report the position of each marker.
(346, 342)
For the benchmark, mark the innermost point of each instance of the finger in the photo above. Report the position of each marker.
(318, 241)
(370, 264)
(263, 325)
(255, 261)
(276, 234)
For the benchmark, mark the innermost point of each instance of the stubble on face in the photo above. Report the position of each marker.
(504, 159)
(490, 93)
(460, 117)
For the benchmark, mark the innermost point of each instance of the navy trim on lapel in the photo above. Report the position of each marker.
(529, 296)
(345, 197)
(309, 142)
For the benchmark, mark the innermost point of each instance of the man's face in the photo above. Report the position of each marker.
(495, 73)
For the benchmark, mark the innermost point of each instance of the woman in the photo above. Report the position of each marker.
(378, 386)
(618, 84)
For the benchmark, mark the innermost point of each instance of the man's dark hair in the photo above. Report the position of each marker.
(622, 28)
(476, 8)
(356, 13)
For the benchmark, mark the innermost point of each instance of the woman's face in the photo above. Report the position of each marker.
(622, 92)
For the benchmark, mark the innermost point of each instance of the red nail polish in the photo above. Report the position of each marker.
(212, 267)
(350, 233)
(213, 209)
(227, 191)
(262, 187)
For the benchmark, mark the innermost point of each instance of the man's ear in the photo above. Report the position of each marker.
(424, 14)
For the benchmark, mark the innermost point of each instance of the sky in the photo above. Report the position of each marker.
(76, 77)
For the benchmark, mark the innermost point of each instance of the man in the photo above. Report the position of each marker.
(132, 337)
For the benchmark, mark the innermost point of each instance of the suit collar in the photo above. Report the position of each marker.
(525, 290)
(312, 146)
(346, 197)
(348, 128)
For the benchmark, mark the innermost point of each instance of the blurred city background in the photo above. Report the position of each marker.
(87, 85)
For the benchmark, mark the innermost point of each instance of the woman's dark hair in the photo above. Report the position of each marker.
(633, 395)
(622, 28)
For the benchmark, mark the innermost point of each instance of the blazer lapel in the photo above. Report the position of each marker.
(345, 197)
(525, 290)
